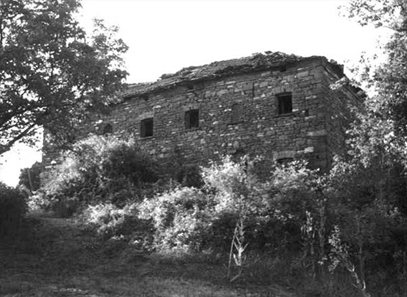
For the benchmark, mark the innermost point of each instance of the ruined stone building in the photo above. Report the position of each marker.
(274, 105)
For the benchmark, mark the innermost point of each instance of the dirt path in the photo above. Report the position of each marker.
(60, 257)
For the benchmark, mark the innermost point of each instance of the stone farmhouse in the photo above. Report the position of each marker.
(273, 105)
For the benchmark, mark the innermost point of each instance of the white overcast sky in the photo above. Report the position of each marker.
(165, 36)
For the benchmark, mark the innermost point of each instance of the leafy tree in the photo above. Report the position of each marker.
(378, 144)
(389, 79)
(388, 13)
(370, 184)
(52, 73)
(30, 177)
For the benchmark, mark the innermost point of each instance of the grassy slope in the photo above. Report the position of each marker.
(58, 257)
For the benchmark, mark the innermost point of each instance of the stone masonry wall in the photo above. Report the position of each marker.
(313, 129)
(339, 114)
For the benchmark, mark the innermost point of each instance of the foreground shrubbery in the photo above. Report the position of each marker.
(197, 219)
(12, 206)
(320, 240)
(317, 231)
(194, 219)
(98, 170)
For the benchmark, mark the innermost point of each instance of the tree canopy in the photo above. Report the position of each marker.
(52, 73)
(377, 141)
(389, 79)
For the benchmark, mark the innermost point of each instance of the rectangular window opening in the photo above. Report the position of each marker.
(285, 103)
(192, 119)
(146, 127)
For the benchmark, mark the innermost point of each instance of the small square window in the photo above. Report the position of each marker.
(108, 129)
(146, 127)
(192, 119)
(285, 103)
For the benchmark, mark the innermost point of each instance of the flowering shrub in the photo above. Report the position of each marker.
(181, 218)
(108, 219)
(273, 206)
(194, 219)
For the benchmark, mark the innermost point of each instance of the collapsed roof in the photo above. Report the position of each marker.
(256, 62)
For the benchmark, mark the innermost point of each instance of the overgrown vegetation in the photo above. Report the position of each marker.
(98, 169)
(13, 206)
(335, 234)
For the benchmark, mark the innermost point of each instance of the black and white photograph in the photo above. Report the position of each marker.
(199, 148)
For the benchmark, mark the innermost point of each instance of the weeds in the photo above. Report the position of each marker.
(237, 249)
(340, 255)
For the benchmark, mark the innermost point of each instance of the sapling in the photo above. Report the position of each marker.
(340, 254)
(237, 249)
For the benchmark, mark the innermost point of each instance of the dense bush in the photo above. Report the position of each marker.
(12, 207)
(120, 227)
(108, 219)
(189, 176)
(126, 162)
(195, 219)
(369, 212)
(100, 169)
(181, 218)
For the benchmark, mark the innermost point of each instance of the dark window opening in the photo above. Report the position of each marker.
(145, 97)
(146, 127)
(192, 119)
(285, 103)
(108, 129)
(284, 161)
(236, 113)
